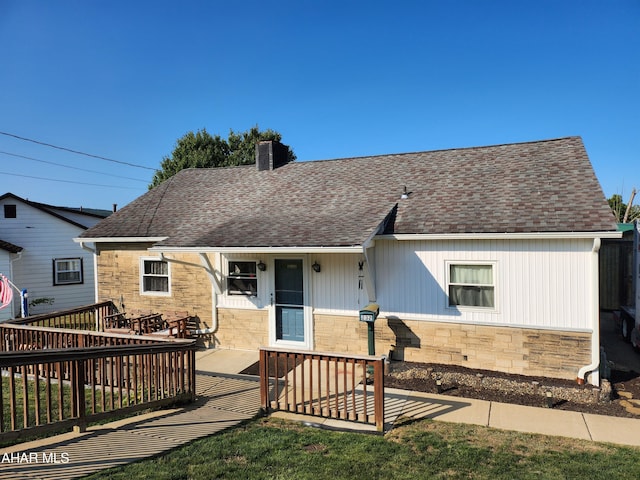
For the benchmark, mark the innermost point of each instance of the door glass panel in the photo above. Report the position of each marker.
(289, 284)
(290, 325)
(289, 289)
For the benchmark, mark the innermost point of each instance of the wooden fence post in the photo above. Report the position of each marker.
(264, 381)
(378, 392)
(78, 386)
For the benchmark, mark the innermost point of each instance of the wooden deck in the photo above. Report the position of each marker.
(55, 378)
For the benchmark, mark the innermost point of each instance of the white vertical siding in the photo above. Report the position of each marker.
(340, 287)
(336, 289)
(539, 283)
(43, 238)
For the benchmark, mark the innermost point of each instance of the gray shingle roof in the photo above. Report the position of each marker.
(10, 247)
(545, 186)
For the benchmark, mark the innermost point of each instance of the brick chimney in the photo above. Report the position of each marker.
(270, 155)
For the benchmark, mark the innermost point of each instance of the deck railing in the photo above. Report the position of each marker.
(88, 317)
(53, 379)
(26, 338)
(323, 384)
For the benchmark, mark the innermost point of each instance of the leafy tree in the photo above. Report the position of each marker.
(202, 150)
(619, 209)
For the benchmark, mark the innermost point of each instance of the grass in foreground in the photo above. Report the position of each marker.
(270, 448)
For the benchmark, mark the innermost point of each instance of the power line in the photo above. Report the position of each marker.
(68, 181)
(75, 151)
(69, 166)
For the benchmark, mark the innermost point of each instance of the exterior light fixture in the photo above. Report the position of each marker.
(316, 266)
(261, 266)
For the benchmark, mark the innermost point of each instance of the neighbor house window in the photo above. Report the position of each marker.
(154, 277)
(67, 271)
(242, 279)
(10, 211)
(471, 285)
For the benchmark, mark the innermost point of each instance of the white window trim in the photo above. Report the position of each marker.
(227, 276)
(56, 271)
(494, 266)
(142, 275)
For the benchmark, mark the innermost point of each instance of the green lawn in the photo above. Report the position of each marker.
(66, 406)
(55, 405)
(270, 448)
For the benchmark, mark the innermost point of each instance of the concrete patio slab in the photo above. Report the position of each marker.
(329, 423)
(225, 361)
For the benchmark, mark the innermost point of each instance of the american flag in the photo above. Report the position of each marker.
(6, 292)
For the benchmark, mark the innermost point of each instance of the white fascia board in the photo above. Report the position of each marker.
(501, 236)
(119, 240)
(264, 250)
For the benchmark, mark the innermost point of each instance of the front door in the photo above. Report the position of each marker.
(289, 290)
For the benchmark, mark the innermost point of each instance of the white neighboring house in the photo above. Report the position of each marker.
(37, 253)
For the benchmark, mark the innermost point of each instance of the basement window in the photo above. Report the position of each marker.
(471, 285)
(67, 271)
(154, 275)
(242, 279)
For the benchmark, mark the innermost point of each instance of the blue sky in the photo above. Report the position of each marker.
(125, 79)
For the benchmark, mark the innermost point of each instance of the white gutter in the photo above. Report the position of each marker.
(593, 367)
(83, 245)
(264, 250)
(500, 236)
(120, 239)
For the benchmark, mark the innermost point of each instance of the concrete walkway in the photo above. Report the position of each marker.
(226, 399)
(505, 416)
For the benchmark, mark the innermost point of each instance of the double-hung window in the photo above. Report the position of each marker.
(154, 277)
(242, 279)
(471, 284)
(67, 271)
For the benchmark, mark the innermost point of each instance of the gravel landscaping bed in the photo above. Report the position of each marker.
(616, 396)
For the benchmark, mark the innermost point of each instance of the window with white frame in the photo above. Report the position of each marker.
(242, 278)
(471, 285)
(67, 271)
(154, 277)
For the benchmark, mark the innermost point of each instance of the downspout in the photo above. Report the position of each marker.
(11, 260)
(215, 291)
(593, 367)
(370, 275)
(88, 249)
(95, 269)
(206, 265)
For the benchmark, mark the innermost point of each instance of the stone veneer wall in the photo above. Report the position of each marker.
(119, 279)
(512, 350)
(242, 329)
